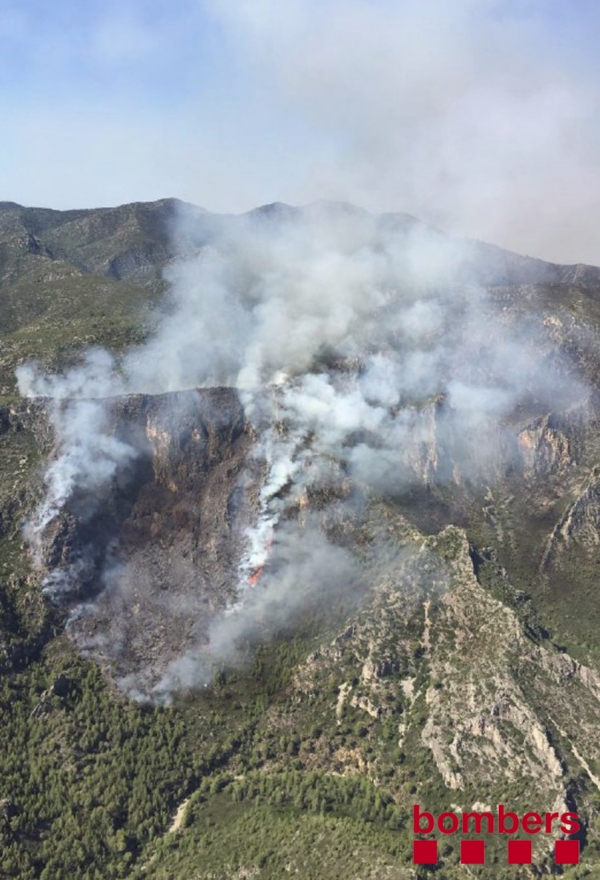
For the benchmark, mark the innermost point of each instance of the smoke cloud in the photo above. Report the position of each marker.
(476, 115)
(303, 565)
(367, 360)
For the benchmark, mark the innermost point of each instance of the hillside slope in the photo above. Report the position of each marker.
(462, 668)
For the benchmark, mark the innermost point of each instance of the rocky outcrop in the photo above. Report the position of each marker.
(502, 718)
(580, 525)
(545, 448)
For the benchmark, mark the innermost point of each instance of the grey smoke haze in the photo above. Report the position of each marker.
(303, 565)
(344, 334)
(477, 115)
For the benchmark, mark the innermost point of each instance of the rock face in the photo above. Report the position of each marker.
(160, 549)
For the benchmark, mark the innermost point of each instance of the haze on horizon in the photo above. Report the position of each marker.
(479, 116)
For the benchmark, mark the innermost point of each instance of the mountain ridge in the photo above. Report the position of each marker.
(34, 220)
(464, 670)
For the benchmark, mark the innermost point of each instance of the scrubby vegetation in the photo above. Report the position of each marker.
(306, 761)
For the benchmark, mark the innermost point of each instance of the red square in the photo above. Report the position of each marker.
(472, 852)
(425, 852)
(566, 852)
(519, 852)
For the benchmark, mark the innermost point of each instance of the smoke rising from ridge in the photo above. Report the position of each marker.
(368, 357)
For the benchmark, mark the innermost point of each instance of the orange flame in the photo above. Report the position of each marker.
(253, 579)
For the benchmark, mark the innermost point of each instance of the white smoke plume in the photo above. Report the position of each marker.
(356, 344)
(304, 565)
(476, 115)
(89, 455)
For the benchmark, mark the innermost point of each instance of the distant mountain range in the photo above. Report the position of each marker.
(134, 242)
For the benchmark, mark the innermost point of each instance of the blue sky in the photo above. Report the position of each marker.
(478, 115)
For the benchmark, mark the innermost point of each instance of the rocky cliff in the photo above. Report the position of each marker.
(158, 549)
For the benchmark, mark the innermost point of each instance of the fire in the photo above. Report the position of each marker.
(253, 579)
(255, 565)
